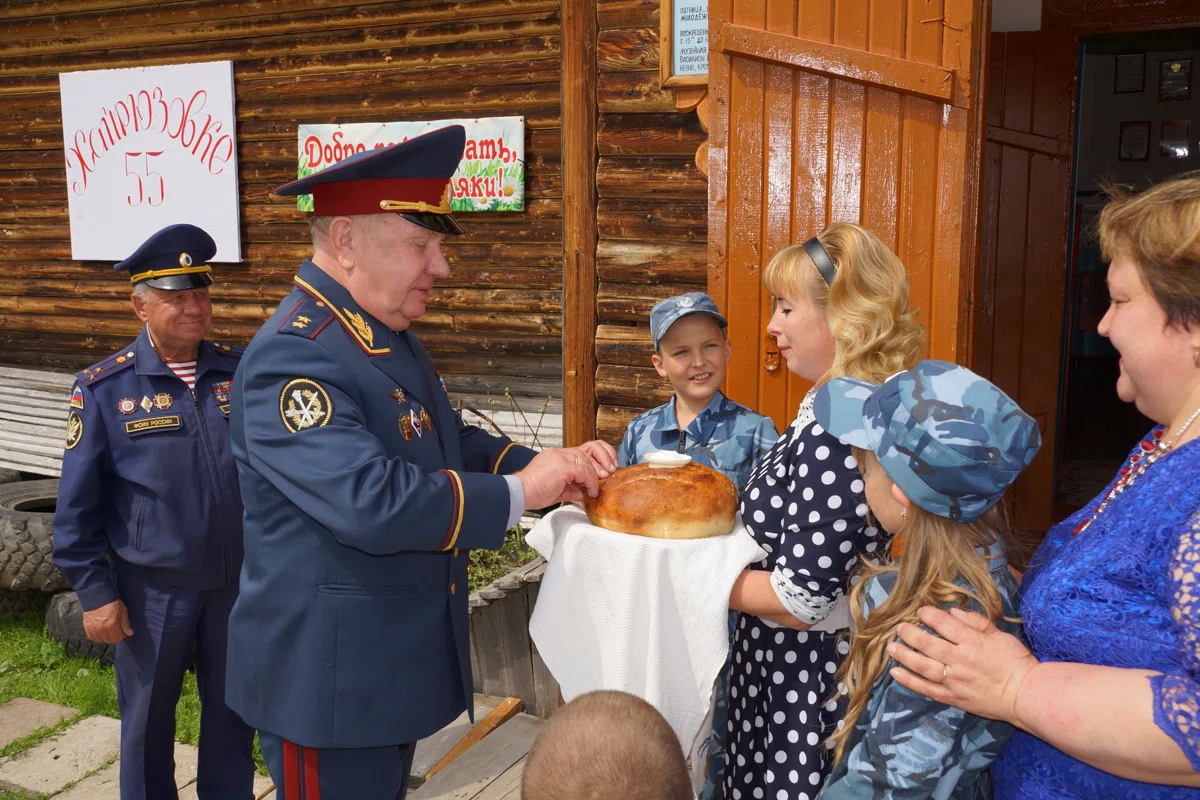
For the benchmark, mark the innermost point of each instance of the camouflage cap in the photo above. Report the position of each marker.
(951, 440)
(667, 312)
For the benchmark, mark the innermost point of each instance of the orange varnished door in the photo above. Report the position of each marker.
(842, 110)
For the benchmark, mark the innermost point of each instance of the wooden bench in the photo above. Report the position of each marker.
(33, 419)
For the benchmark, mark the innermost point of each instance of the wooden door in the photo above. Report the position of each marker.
(1022, 272)
(865, 111)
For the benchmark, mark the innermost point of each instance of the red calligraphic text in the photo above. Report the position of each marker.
(322, 154)
(182, 120)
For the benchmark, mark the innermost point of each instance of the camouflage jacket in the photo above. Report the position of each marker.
(726, 436)
(905, 745)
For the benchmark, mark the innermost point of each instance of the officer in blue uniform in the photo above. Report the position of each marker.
(148, 525)
(364, 490)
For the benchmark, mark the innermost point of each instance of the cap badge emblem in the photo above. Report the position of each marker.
(686, 302)
(185, 260)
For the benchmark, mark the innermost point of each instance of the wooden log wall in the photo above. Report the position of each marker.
(495, 324)
(652, 215)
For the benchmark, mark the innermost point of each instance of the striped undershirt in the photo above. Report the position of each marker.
(185, 371)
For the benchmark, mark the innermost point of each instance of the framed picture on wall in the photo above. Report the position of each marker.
(1135, 142)
(1173, 139)
(683, 43)
(1131, 73)
(1175, 79)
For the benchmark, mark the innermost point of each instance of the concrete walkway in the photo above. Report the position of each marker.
(80, 762)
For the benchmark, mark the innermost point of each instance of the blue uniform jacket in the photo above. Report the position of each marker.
(148, 476)
(363, 491)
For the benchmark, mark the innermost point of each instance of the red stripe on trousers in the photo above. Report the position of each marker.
(291, 772)
(312, 784)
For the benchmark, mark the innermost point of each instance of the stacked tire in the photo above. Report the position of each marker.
(29, 581)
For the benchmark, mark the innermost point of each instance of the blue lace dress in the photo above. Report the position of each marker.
(1123, 593)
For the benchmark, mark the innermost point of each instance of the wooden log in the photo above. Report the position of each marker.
(649, 135)
(649, 220)
(624, 344)
(627, 50)
(119, 308)
(650, 177)
(611, 422)
(632, 93)
(509, 364)
(506, 380)
(653, 262)
(424, 24)
(631, 302)
(627, 14)
(635, 387)
(579, 219)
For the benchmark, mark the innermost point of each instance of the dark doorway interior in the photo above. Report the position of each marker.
(1135, 133)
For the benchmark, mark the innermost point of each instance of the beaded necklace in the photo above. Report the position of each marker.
(1152, 449)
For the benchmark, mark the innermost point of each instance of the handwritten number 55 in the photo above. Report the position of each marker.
(151, 188)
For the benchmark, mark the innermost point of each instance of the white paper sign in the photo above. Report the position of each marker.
(146, 148)
(690, 32)
(490, 177)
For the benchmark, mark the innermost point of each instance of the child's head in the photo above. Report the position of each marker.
(949, 441)
(606, 746)
(872, 332)
(937, 446)
(690, 348)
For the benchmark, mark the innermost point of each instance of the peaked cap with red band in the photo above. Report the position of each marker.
(411, 178)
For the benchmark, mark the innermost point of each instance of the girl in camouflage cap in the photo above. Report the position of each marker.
(937, 446)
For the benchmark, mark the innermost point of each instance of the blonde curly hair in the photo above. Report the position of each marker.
(875, 333)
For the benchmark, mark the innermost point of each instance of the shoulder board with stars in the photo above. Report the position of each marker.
(109, 366)
(307, 319)
(228, 350)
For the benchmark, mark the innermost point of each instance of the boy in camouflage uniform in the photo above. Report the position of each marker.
(943, 444)
(691, 350)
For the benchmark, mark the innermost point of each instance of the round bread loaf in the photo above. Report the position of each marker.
(688, 502)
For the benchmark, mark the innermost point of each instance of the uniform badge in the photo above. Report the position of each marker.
(127, 405)
(74, 429)
(442, 381)
(221, 390)
(406, 428)
(163, 401)
(416, 423)
(426, 420)
(146, 404)
(304, 404)
(399, 396)
(77, 397)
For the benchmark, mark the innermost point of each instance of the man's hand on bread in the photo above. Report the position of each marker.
(562, 476)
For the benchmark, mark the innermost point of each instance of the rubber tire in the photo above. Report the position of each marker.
(20, 604)
(9, 475)
(26, 541)
(64, 624)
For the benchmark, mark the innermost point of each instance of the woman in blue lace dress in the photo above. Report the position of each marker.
(1108, 702)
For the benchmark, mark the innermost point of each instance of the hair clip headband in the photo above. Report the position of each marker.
(816, 251)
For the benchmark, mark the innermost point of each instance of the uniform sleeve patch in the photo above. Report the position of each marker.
(304, 404)
(74, 429)
(77, 397)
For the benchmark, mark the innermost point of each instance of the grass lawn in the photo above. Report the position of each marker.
(34, 666)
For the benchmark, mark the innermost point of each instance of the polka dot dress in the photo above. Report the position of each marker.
(804, 505)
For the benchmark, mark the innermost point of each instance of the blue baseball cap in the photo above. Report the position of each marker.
(951, 440)
(667, 312)
(410, 178)
(174, 258)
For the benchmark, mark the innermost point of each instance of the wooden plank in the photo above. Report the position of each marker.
(546, 694)
(898, 74)
(633, 387)
(484, 763)
(37, 378)
(501, 647)
(611, 422)
(1043, 145)
(579, 130)
(507, 786)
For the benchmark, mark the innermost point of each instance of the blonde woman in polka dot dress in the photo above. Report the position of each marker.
(841, 308)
